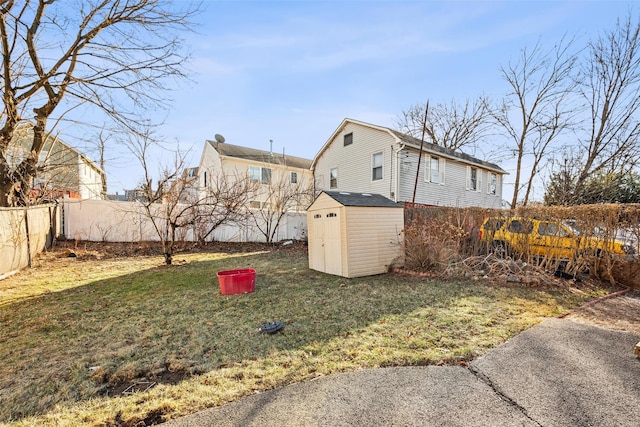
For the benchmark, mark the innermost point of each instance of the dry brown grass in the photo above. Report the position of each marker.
(76, 332)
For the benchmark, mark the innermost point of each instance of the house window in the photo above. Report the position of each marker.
(434, 166)
(205, 178)
(493, 184)
(333, 178)
(254, 173)
(294, 178)
(44, 154)
(376, 162)
(259, 174)
(266, 176)
(348, 139)
(434, 170)
(473, 179)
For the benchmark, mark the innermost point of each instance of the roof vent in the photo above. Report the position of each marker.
(344, 193)
(366, 194)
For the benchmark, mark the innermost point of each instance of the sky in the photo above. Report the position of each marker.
(291, 71)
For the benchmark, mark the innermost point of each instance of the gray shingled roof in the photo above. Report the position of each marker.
(362, 199)
(415, 142)
(230, 150)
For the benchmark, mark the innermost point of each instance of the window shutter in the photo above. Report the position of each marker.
(468, 182)
(427, 168)
(479, 183)
(442, 167)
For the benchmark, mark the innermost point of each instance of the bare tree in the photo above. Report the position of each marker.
(610, 87)
(161, 201)
(454, 125)
(110, 54)
(537, 108)
(279, 196)
(223, 200)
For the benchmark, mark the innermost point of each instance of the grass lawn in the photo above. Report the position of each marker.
(75, 333)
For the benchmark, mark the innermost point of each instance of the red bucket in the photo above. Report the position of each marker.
(237, 281)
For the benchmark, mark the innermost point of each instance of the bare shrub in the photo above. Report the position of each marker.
(432, 246)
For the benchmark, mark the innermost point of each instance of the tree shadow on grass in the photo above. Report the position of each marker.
(168, 323)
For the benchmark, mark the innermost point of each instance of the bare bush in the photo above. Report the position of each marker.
(432, 246)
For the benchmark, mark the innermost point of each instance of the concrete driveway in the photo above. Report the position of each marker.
(558, 373)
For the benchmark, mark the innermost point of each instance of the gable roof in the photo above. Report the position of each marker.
(246, 153)
(23, 137)
(362, 199)
(448, 152)
(412, 142)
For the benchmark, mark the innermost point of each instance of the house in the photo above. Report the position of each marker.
(355, 234)
(62, 169)
(366, 158)
(271, 173)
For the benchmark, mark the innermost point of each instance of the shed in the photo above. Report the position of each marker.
(355, 234)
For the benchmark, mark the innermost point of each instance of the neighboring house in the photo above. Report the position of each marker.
(365, 158)
(263, 168)
(187, 185)
(62, 170)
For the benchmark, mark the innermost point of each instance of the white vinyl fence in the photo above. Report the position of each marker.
(25, 232)
(111, 221)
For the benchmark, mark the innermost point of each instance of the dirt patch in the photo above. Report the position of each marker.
(85, 250)
(621, 313)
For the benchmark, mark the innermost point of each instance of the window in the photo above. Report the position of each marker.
(333, 178)
(348, 139)
(294, 178)
(254, 173)
(376, 162)
(266, 176)
(44, 154)
(520, 226)
(434, 170)
(205, 178)
(493, 184)
(259, 174)
(551, 229)
(473, 179)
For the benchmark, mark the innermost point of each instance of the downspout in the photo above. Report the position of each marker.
(400, 148)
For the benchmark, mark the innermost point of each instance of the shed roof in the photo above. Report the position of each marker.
(362, 199)
(246, 153)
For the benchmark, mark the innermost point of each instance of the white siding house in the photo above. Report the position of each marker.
(278, 189)
(366, 158)
(62, 169)
(235, 162)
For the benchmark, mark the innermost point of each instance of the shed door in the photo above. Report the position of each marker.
(316, 241)
(332, 242)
